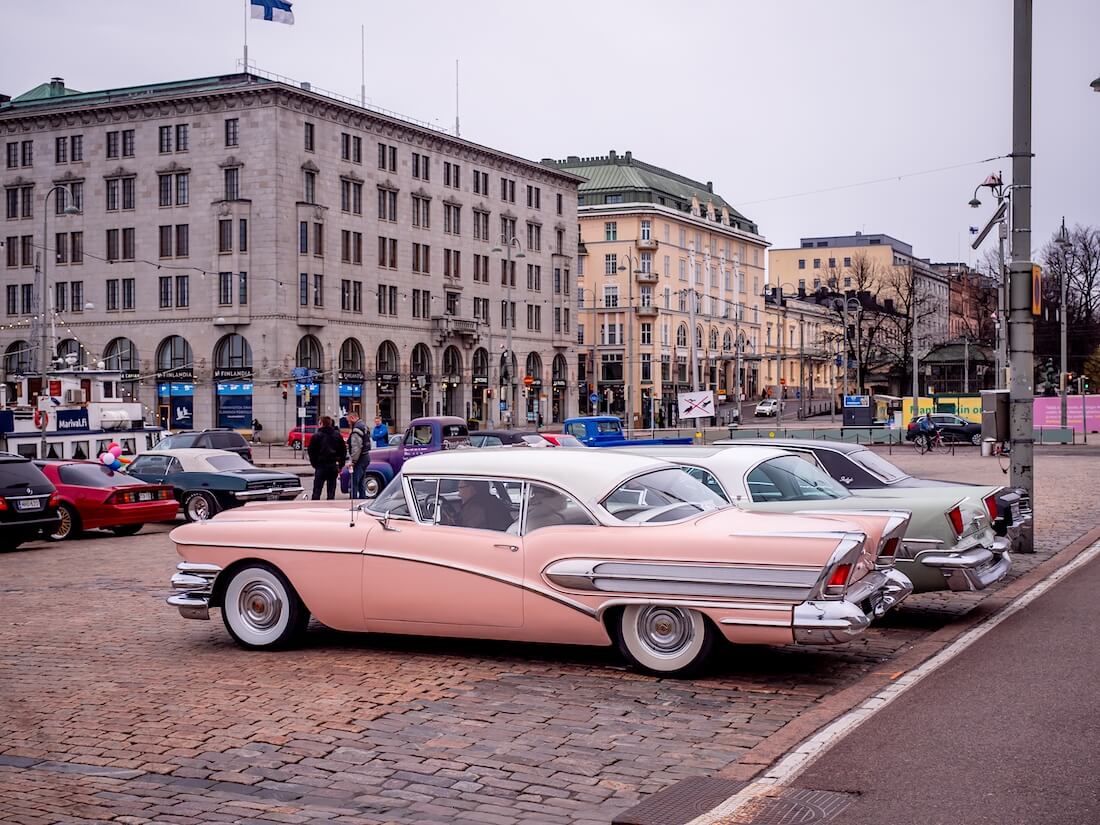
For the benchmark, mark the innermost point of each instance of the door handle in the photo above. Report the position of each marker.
(511, 547)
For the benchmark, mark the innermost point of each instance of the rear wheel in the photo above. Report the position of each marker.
(69, 525)
(976, 439)
(664, 640)
(127, 529)
(372, 485)
(261, 609)
(199, 506)
(296, 444)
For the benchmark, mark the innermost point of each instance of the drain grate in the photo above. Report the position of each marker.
(797, 806)
(680, 803)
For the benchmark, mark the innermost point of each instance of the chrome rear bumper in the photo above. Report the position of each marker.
(196, 581)
(973, 569)
(827, 622)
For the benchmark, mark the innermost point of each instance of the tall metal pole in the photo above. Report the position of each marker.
(801, 366)
(1021, 333)
(781, 317)
(628, 359)
(737, 358)
(691, 338)
(846, 348)
(508, 332)
(916, 357)
(966, 366)
(1064, 319)
(1002, 306)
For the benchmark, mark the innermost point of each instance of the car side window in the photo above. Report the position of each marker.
(547, 507)
(491, 441)
(479, 504)
(425, 492)
(419, 435)
(174, 466)
(392, 500)
(577, 429)
(150, 464)
(699, 474)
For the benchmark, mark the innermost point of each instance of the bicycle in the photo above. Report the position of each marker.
(925, 442)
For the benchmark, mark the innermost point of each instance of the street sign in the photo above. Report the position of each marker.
(857, 401)
(300, 373)
(503, 406)
(528, 380)
(594, 398)
(695, 404)
(1036, 289)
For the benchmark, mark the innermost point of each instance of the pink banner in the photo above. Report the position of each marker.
(1048, 412)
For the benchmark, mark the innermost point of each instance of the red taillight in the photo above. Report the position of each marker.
(991, 507)
(3, 504)
(890, 549)
(955, 516)
(55, 499)
(164, 494)
(840, 576)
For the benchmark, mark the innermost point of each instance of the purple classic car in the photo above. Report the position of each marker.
(424, 435)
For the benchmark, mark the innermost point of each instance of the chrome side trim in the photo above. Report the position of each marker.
(508, 580)
(755, 622)
(701, 604)
(258, 546)
(281, 492)
(671, 578)
(792, 534)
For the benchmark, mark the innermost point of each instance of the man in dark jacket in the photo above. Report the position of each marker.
(359, 455)
(327, 454)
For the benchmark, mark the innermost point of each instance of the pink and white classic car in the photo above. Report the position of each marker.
(561, 546)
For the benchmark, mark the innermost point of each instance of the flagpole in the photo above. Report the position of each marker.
(362, 66)
(247, 12)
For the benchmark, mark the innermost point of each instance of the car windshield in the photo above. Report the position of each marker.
(878, 466)
(15, 474)
(662, 495)
(228, 462)
(94, 475)
(790, 478)
(391, 501)
(537, 441)
(180, 441)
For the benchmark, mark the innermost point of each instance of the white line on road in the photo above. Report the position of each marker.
(801, 757)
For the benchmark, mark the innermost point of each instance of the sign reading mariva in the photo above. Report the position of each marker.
(72, 420)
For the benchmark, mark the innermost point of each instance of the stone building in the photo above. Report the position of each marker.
(248, 248)
(650, 240)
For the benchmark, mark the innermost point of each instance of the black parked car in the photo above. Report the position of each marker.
(859, 468)
(509, 438)
(951, 427)
(221, 438)
(28, 502)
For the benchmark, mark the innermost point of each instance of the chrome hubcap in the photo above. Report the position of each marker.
(665, 630)
(66, 523)
(259, 606)
(371, 487)
(199, 508)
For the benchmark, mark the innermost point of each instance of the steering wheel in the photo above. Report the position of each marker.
(448, 511)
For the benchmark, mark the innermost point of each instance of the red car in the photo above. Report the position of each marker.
(300, 436)
(563, 439)
(95, 496)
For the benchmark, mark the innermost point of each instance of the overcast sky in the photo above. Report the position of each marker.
(766, 99)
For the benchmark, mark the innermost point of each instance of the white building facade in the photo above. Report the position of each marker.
(248, 249)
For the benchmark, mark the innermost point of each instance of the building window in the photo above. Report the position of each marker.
(452, 219)
(508, 190)
(534, 197)
(611, 231)
(534, 318)
(421, 212)
(481, 183)
(166, 238)
(61, 150)
(26, 153)
(127, 293)
(164, 292)
(225, 288)
(387, 300)
(309, 194)
(452, 263)
(309, 137)
(232, 184)
(232, 131)
(112, 295)
(387, 205)
(127, 193)
(387, 252)
(112, 244)
(481, 226)
(303, 289)
(508, 313)
(610, 264)
(451, 175)
(165, 139)
(319, 239)
(507, 229)
(508, 274)
(559, 199)
(847, 261)
(421, 258)
(225, 235)
(242, 288)
(183, 290)
(534, 277)
(387, 157)
(534, 237)
(421, 166)
(817, 263)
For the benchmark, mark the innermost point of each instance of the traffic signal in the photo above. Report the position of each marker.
(284, 395)
(489, 392)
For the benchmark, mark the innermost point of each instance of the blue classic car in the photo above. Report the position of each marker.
(209, 481)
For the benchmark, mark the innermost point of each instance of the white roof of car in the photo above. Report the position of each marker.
(192, 458)
(587, 474)
(718, 458)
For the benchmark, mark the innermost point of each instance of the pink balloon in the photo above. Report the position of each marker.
(107, 459)
(114, 449)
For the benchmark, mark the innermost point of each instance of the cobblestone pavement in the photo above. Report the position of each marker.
(113, 708)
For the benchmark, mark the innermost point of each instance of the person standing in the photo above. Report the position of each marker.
(358, 455)
(327, 454)
(380, 433)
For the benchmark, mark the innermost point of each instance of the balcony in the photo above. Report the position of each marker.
(646, 277)
(646, 311)
(647, 244)
(454, 326)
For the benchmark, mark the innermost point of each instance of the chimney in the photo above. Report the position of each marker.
(710, 186)
(629, 156)
(57, 86)
(612, 156)
(306, 86)
(573, 159)
(858, 233)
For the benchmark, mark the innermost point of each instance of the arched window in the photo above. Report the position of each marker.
(534, 365)
(698, 337)
(421, 360)
(452, 364)
(69, 353)
(560, 367)
(682, 335)
(714, 338)
(480, 368)
(351, 356)
(17, 358)
(233, 352)
(121, 355)
(310, 354)
(174, 353)
(727, 341)
(386, 358)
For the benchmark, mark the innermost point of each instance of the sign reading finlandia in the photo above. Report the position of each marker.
(695, 404)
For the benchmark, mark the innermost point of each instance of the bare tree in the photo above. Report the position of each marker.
(1078, 262)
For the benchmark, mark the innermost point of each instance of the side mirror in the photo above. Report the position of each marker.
(385, 522)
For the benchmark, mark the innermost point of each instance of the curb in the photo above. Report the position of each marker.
(760, 757)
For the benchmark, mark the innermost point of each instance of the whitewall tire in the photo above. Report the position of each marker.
(663, 639)
(261, 610)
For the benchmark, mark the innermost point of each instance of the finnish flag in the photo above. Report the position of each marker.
(276, 10)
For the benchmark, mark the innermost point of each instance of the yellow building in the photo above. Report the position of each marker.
(889, 281)
(802, 343)
(650, 241)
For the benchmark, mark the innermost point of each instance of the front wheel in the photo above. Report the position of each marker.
(296, 444)
(664, 640)
(976, 439)
(69, 525)
(372, 485)
(199, 506)
(261, 610)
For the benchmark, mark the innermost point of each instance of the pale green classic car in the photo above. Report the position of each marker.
(949, 543)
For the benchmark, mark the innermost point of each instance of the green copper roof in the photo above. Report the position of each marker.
(623, 175)
(44, 91)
